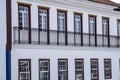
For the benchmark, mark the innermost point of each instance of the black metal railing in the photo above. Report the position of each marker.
(41, 37)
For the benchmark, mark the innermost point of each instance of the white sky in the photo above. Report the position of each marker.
(118, 1)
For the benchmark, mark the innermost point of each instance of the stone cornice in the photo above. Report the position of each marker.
(83, 5)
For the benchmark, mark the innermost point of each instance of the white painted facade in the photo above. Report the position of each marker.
(54, 53)
(101, 10)
(3, 39)
(36, 52)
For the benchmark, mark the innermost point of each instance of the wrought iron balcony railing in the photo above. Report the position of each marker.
(54, 37)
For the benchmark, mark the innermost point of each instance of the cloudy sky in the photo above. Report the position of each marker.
(118, 1)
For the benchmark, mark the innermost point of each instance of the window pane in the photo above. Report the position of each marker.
(94, 69)
(118, 24)
(23, 17)
(79, 69)
(24, 69)
(61, 21)
(105, 26)
(77, 23)
(44, 69)
(92, 24)
(43, 19)
(92, 30)
(107, 68)
(105, 32)
(62, 69)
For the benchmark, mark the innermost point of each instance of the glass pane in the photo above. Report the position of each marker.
(43, 19)
(92, 25)
(23, 16)
(24, 70)
(61, 21)
(105, 26)
(77, 23)
(44, 69)
(107, 64)
(79, 69)
(94, 69)
(62, 65)
(118, 28)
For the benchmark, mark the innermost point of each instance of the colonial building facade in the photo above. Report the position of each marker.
(61, 40)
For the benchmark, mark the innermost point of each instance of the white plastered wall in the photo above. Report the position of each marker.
(113, 16)
(54, 53)
(70, 52)
(2, 39)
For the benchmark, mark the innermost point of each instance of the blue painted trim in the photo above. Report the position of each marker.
(8, 65)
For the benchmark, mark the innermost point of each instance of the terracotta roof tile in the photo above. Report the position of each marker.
(108, 2)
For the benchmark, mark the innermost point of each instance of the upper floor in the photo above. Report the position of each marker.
(72, 22)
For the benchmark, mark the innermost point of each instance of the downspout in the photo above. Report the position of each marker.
(9, 39)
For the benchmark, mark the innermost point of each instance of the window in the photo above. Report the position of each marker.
(61, 21)
(23, 17)
(62, 27)
(62, 69)
(105, 24)
(24, 69)
(118, 32)
(94, 69)
(105, 27)
(24, 31)
(78, 29)
(119, 68)
(44, 69)
(43, 18)
(92, 24)
(118, 26)
(43, 21)
(107, 69)
(77, 23)
(79, 69)
(92, 30)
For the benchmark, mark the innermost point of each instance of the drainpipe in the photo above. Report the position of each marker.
(9, 39)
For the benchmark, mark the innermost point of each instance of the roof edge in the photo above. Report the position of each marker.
(107, 2)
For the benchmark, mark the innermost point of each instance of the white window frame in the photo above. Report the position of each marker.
(79, 76)
(92, 24)
(108, 68)
(62, 69)
(24, 65)
(77, 22)
(118, 27)
(105, 27)
(61, 21)
(43, 19)
(94, 62)
(24, 11)
(42, 67)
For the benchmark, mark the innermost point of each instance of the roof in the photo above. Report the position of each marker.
(108, 2)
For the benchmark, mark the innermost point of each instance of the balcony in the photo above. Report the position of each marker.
(54, 37)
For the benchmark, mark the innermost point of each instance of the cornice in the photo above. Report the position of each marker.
(81, 5)
(73, 48)
(107, 2)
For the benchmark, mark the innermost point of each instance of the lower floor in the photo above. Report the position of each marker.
(64, 63)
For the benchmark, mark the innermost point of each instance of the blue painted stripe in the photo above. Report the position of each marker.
(8, 65)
